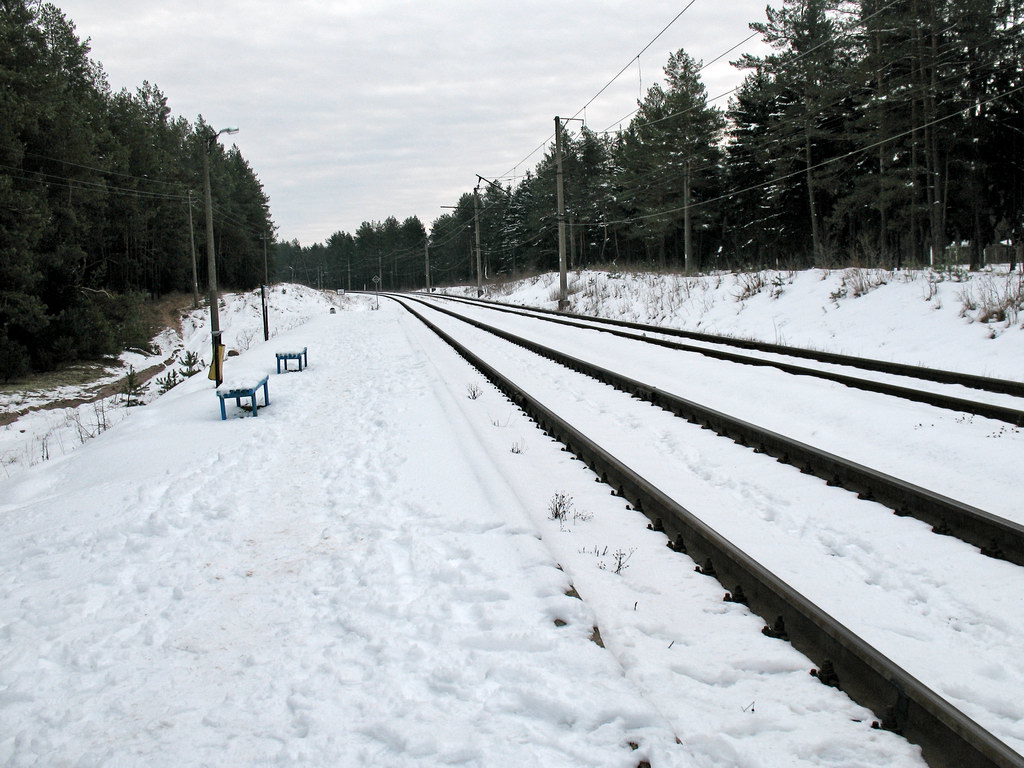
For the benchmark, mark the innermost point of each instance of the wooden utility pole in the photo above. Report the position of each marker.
(266, 268)
(211, 269)
(192, 242)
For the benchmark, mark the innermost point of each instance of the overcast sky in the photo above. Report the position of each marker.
(352, 110)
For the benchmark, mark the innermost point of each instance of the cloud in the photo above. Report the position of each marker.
(353, 111)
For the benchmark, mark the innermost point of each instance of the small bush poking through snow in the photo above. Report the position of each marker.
(473, 391)
(562, 509)
(619, 558)
(750, 284)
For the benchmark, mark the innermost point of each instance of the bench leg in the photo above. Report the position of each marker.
(255, 407)
(279, 365)
(223, 413)
(266, 394)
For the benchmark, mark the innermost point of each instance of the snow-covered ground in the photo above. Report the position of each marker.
(40, 435)
(368, 573)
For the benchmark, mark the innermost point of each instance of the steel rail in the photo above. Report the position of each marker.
(947, 737)
(987, 383)
(995, 536)
(988, 410)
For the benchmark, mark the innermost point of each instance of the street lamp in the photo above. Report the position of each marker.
(211, 259)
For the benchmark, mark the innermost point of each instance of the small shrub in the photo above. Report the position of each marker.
(560, 507)
(619, 558)
(750, 284)
(190, 364)
(168, 382)
(132, 389)
(862, 281)
(473, 391)
(245, 339)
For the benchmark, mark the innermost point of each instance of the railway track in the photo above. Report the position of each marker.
(908, 706)
(985, 383)
(993, 535)
(1004, 413)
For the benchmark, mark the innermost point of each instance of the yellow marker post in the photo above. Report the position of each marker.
(217, 368)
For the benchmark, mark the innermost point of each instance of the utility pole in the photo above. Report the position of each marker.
(211, 269)
(476, 219)
(687, 223)
(563, 281)
(266, 270)
(192, 242)
(508, 196)
(216, 372)
(426, 260)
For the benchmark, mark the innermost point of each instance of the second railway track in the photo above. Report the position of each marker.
(995, 536)
(1009, 414)
(924, 373)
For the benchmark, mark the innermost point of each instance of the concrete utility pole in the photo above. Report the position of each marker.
(563, 282)
(192, 242)
(426, 259)
(687, 223)
(479, 261)
(211, 257)
(266, 269)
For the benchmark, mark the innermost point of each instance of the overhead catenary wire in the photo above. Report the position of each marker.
(606, 85)
(829, 161)
(147, 179)
(85, 185)
(905, 95)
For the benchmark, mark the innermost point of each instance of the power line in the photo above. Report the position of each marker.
(606, 85)
(107, 171)
(851, 153)
(41, 177)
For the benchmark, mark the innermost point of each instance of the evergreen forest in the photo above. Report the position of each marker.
(875, 132)
(99, 195)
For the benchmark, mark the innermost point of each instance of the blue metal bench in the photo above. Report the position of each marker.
(302, 357)
(238, 391)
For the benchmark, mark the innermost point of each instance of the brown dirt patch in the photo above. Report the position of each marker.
(91, 396)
